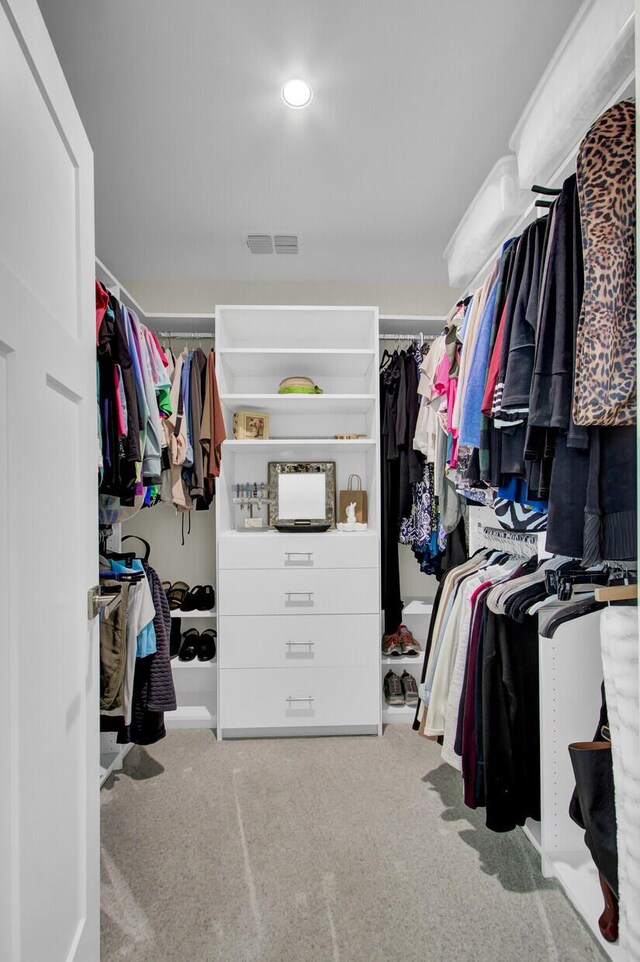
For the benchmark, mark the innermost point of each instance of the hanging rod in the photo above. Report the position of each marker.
(528, 537)
(407, 337)
(200, 335)
(501, 536)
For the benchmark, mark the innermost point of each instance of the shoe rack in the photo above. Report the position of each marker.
(416, 616)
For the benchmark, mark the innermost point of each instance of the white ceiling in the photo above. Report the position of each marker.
(414, 100)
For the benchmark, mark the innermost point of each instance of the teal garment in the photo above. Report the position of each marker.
(146, 638)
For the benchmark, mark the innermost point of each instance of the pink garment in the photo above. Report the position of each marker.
(154, 357)
(122, 421)
(448, 386)
(160, 349)
(102, 302)
(485, 584)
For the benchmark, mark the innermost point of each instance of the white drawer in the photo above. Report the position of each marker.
(338, 591)
(268, 641)
(298, 697)
(299, 551)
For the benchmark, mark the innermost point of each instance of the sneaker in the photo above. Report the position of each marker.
(410, 646)
(392, 646)
(409, 688)
(392, 687)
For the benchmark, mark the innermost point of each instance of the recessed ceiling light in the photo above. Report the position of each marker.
(297, 93)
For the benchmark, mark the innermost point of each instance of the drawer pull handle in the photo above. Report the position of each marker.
(300, 649)
(292, 698)
(299, 558)
(301, 599)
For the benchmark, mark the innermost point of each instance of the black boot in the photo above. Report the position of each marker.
(596, 813)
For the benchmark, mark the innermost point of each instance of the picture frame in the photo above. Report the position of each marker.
(251, 426)
(303, 495)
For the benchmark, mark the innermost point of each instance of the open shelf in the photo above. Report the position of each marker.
(355, 444)
(417, 607)
(390, 662)
(277, 535)
(301, 403)
(192, 716)
(210, 613)
(397, 714)
(285, 362)
(192, 665)
(307, 327)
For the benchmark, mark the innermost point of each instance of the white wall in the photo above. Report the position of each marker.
(201, 296)
(161, 526)
(413, 583)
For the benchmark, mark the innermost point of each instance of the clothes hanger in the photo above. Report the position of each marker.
(385, 359)
(104, 534)
(616, 593)
(125, 556)
(622, 586)
(574, 574)
(132, 576)
(145, 543)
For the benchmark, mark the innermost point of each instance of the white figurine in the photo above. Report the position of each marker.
(351, 524)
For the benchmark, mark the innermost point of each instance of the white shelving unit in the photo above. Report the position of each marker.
(297, 671)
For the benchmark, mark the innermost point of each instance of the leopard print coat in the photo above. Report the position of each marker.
(605, 370)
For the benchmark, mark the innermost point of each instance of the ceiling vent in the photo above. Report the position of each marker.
(269, 244)
(260, 243)
(286, 243)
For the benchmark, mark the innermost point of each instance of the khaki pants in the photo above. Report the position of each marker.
(113, 647)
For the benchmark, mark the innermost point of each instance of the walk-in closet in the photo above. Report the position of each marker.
(318, 494)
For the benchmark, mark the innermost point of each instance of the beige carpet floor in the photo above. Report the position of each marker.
(317, 850)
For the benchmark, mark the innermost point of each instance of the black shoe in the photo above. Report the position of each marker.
(392, 687)
(176, 594)
(207, 646)
(175, 639)
(206, 599)
(409, 688)
(190, 600)
(190, 644)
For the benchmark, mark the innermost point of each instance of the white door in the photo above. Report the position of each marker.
(49, 754)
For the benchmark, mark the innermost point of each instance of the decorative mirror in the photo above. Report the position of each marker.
(303, 495)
